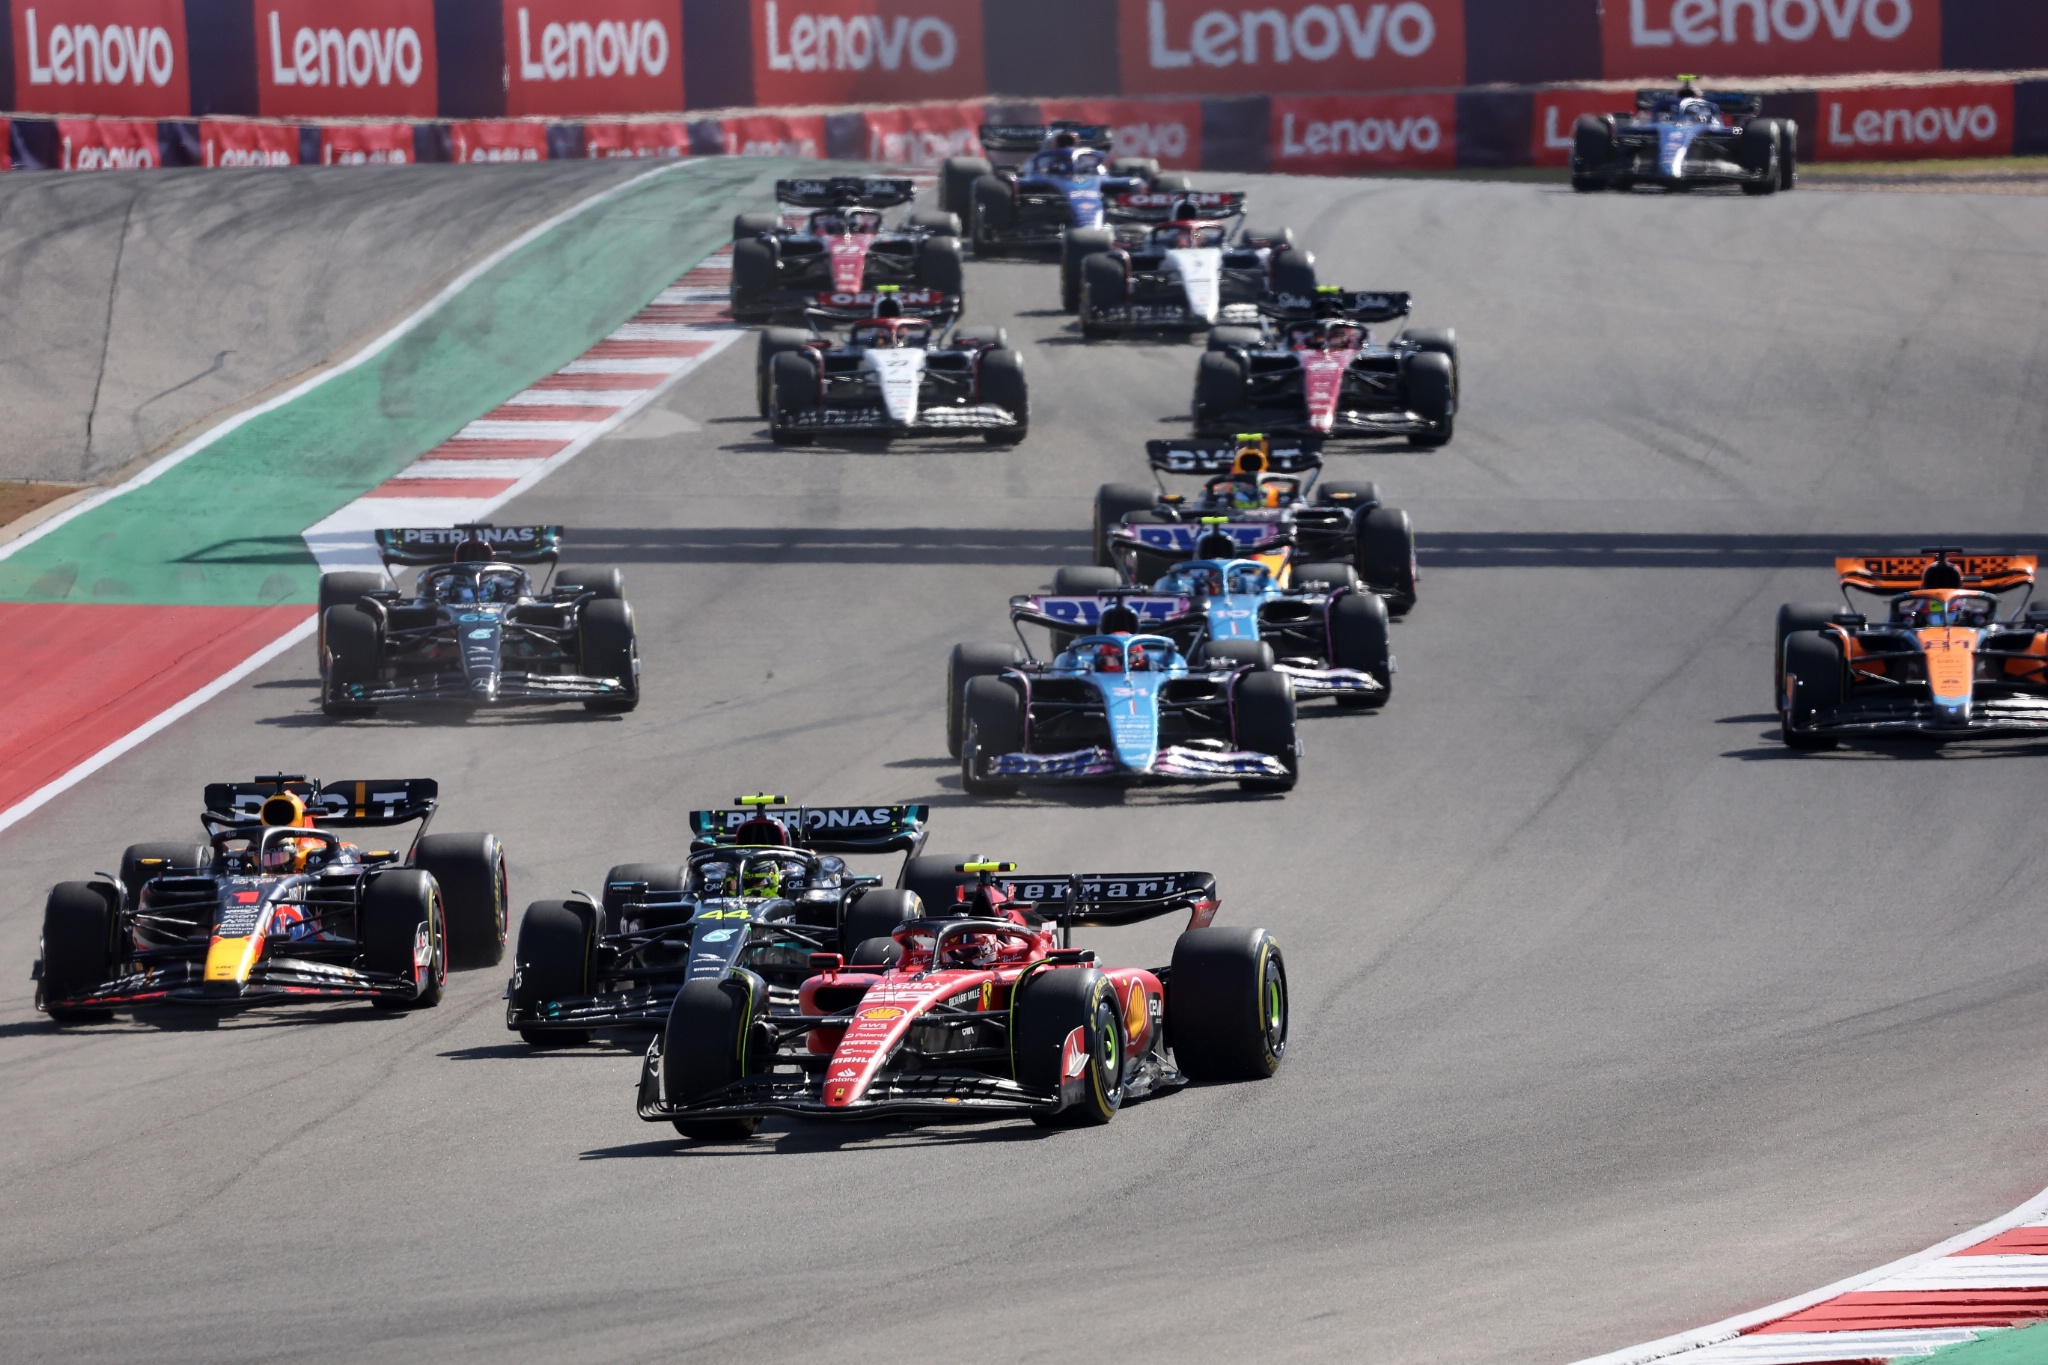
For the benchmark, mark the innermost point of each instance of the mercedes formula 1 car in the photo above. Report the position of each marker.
(1947, 660)
(904, 369)
(1187, 273)
(839, 241)
(1681, 139)
(1063, 182)
(1312, 367)
(763, 888)
(277, 908)
(475, 629)
(988, 1013)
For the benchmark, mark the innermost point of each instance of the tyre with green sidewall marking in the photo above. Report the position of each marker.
(1226, 1004)
(703, 1049)
(1050, 1004)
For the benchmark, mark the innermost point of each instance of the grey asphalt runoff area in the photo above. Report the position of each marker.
(1611, 1016)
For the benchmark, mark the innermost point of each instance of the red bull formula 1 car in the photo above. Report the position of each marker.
(277, 908)
(988, 1013)
(839, 241)
(1947, 659)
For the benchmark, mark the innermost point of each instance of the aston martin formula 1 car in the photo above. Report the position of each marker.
(1313, 367)
(1187, 273)
(987, 1014)
(763, 887)
(1257, 484)
(278, 908)
(1051, 179)
(475, 629)
(839, 240)
(1957, 653)
(903, 369)
(1682, 139)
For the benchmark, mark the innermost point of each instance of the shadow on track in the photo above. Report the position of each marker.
(817, 1138)
(936, 545)
(1604, 550)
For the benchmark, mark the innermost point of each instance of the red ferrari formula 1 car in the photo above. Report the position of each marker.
(988, 1012)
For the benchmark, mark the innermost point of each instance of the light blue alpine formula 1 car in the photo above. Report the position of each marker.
(1681, 139)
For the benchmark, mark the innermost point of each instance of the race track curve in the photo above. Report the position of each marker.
(1611, 1016)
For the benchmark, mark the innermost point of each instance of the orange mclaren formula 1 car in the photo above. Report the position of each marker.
(1958, 651)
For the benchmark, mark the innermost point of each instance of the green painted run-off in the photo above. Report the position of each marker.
(2020, 1346)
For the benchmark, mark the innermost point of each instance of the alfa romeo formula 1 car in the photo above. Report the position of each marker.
(1946, 660)
(904, 369)
(988, 1013)
(475, 629)
(1256, 485)
(1187, 273)
(1064, 182)
(1682, 139)
(839, 241)
(1314, 368)
(764, 886)
(277, 908)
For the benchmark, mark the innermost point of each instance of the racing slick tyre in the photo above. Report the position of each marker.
(1813, 667)
(1255, 654)
(475, 895)
(1002, 385)
(982, 338)
(745, 225)
(1114, 502)
(557, 945)
(1294, 272)
(940, 223)
(1084, 579)
(1432, 382)
(875, 952)
(957, 179)
(1050, 1005)
(935, 879)
(607, 584)
(1219, 390)
(396, 907)
(1076, 246)
(1268, 235)
(1227, 338)
(355, 653)
(1385, 555)
(1105, 283)
(754, 278)
(1593, 149)
(966, 662)
(607, 647)
(342, 590)
(1337, 493)
(1757, 152)
(774, 342)
(1331, 575)
(656, 879)
(1173, 182)
(1262, 721)
(1442, 340)
(995, 210)
(1226, 1004)
(704, 1048)
(77, 953)
(875, 916)
(939, 266)
(1788, 154)
(1793, 616)
(1135, 168)
(792, 387)
(994, 725)
(1359, 639)
(161, 860)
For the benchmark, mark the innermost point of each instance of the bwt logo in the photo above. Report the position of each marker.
(1315, 33)
(573, 50)
(1892, 127)
(1350, 137)
(354, 57)
(1697, 23)
(80, 54)
(830, 42)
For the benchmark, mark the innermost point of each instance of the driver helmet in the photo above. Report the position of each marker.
(1109, 659)
(498, 587)
(1245, 492)
(971, 950)
(829, 223)
(761, 879)
(1066, 138)
(1060, 162)
(458, 588)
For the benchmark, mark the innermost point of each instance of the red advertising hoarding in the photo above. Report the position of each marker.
(570, 57)
(1550, 131)
(775, 135)
(231, 142)
(106, 144)
(923, 135)
(366, 144)
(1914, 122)
(658, 138)
(101, 57)
(345, 58)
(1196, 47)
(1168, 131)
(866, 51)
(1661, 38)
(1342, 134)
(497, 140)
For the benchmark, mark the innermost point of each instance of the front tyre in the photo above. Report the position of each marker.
(77, 948)
(967, 662)
(608, 647)
(475, 894)
(704, 1048)
(1814, 684)
(1432, 381)
(1385, 554)
(404, 933)
(1226, 1004)
(1067, 1037)
(1262, 707)
(553, 961)
(1001, 385)
(994, 726)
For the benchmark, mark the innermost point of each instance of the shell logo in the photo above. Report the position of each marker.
(1137, 1018)
(880, 1014)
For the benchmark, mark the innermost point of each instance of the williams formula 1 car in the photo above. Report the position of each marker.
(1946, 660)
(1681, 139)
(764, 887)
(987, 1014)
(903, 370)
(1057, 178)
(1187, 273)
(1314, 368)
(475, 629)
(276, 908)
(838, 242)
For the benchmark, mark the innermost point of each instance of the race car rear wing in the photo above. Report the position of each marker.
(935, 304)
(333, 805)
(1218, 454)
(1157, 206)
(1902, 573)
(422, 545)
(1331, 302)
(845, 191)
(1081, 613)
(1731, 103)
(1181, 537)
(821, 829)
(1109, 899)
(1029, 137)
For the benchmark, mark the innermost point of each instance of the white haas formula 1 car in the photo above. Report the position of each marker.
(1188, 272)
(904, 369)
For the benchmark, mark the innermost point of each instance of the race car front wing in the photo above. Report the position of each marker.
(2005, 716)
(271, 982)
(1330, 682)
(452, 686)
(1172, 761)
(934, 421)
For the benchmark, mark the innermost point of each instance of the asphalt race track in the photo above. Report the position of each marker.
(1611, 1016)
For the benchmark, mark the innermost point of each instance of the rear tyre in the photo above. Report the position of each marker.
(553, 960)
(1135, 168)
(1219, 389)
(1255, 654)
(1294, 273)
(1227, 337)
(938, 224)
(342, 590)
(1331, 575)
(1114, 502)
(876, 952)
(939, 266)
(1105, 283)
(1432, 396)
(754, 272)
(775, 341)
(1076, 246)
(140, 862)
(1340, 494)
(1813, 662)
(982, 338)
(1359, 639)
(397, 906)
(608, 647)
(745, 225)
(875, 916)
(475, 895)
(793, 383)
(1002, 385)
(704, 1048)
(1262, 709)
(994, 725)
(1049, 1007)
(77, 950)
(1442, 340)
(355, 656)
(967, 662)
(1172, 182)
(604, 583)
(934, 880)
(1793, 617)
(654, 879)
(1386, 555)
(957, 178)
(1226, 1004)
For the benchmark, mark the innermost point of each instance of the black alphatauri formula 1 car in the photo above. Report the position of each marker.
(839, 241)
(278, 908)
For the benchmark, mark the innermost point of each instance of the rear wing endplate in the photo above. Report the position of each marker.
(826, 829)
(1902, 573)
(423, 545)
(845, 191)
(1218, 454)
(333, 805)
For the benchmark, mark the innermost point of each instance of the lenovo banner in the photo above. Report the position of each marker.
(1192, 47)
(774, 135)
(1168, 131)
(923, 135)
(1550, 134)
(1910, 123)
(106, 144)
(481, 140)
(1660, 38)
(1340, 134)
(593, 56)
(866, 51)
(345, 58)
(367, 144)
(607, 141)
(101, 57)
(231, 142)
